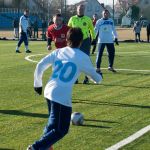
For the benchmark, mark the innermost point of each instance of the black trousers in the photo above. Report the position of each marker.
(110, 51)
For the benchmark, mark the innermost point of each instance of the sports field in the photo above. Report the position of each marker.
(113, 110)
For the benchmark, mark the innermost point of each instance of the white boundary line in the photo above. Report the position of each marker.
(28, 58)
(34, 61)
(132, 70)
(130, 138)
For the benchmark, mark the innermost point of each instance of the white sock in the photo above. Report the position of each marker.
(17, 48)
(26, 47)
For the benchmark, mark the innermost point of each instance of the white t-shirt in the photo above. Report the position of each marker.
(67, 63)
(23, 24)
(106, 29)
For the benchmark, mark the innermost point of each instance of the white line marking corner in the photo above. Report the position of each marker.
(130, 138)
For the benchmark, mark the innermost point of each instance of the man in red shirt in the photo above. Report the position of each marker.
(57, 32)
(95, 18)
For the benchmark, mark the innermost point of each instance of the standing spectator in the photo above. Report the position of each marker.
(67, 64)
(86, 25)
(107, 33)
(137, 30)
(23, 27)
(94, 20)
(36, 29)
(57, 32)
(16, 27)
(44, 26)
(148, 31)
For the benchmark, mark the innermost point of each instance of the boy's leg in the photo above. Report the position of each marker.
(19, 43)
(101, 47)
(26, 43)
(57, 127)
(111, 55)
(139, 37)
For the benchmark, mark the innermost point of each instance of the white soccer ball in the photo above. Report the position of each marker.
(77, 118)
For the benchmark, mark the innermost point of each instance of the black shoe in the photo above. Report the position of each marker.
(112, 69)
(86, 81)
(77, 81)
(28, 51)
(17, 51)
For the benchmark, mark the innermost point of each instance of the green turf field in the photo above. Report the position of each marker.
(113, 110)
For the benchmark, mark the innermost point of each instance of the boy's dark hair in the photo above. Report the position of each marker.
(26, 10)
(74, 37)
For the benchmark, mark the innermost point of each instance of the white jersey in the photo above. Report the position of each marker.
(106, 29)
(67, 63)
(23, 24)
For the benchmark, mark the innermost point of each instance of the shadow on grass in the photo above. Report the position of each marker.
(116, 85)
(81, 101)
(6, 149)
(22, 113)
(103, 121)
(95, 126)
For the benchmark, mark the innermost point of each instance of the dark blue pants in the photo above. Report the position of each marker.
(57, 126)
(110, 51)
(86, 46)
(23, 38)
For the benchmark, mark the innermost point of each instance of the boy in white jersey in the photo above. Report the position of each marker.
(67, 64)
(106, 34)
(23, 28)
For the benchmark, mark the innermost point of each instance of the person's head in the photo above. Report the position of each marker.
(95, 16)
(74, 37)
(105, 14)
(58, 20)
(26, 12)
(80, 10)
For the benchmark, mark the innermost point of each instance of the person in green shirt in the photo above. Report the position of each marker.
(86, 25)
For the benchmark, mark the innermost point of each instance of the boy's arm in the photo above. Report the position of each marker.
(91, 28)
(40, 68)
(89, 70)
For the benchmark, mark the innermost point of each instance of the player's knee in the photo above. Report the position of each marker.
(61, 133)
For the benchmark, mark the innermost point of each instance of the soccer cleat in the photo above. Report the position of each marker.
(86, 80)
(30, 148)
(17, 51)
(112, 69)
(28, 51)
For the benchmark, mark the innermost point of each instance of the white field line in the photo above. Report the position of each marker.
(34, 61)
(130, 138)
(28, 58)
(132, 70)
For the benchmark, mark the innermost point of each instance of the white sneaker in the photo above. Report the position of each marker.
(30, 147)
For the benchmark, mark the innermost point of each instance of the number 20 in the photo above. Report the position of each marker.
(62, 68)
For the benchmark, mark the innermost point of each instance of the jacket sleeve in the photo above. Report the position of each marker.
(91, 28)
(70, 22)
(45, 63)
(89, 70)
(114, 31)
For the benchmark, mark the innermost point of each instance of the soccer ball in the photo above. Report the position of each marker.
(77, 118)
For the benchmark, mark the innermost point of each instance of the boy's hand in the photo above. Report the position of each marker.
(116, 41)
(38, 90)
